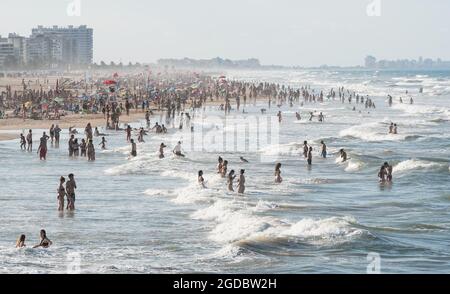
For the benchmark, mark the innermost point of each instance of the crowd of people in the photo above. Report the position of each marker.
(178, 97)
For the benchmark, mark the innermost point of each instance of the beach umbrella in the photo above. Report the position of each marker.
(109, 82)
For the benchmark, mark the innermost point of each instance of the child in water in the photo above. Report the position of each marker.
(201, 180)
(161, 150)
(103, 143)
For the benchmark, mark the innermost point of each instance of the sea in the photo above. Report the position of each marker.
(148, 215)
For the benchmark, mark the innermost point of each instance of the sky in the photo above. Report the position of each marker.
(283, 32)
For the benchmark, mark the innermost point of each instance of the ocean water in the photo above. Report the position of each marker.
(146, 215)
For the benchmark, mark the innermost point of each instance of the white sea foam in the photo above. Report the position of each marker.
(415, 164)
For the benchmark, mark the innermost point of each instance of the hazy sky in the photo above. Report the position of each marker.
(287, 32)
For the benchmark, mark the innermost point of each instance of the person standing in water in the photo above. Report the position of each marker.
(83, 147)
(45, 242)
(243, 159)
(103, 143)
(30, 141)
(310, 156)
(388, 169)
(323, 151)
(321, 117)
(278, 178)
(177, 150)
(61, 194)
(23, 142)
(305, 149)
(21, 241)
(391, 128)
(57, 132)
(395, 129)
(343, 155)
(42, 150)
(280, 118)
(90, 151)
(241, 182)
(70, 190)
(219, 165)
(128, 130)
(231, 177)
(201, 180)
(223, 171)
(52, 133)
(161, 150)
(133, 148)
(382, 174)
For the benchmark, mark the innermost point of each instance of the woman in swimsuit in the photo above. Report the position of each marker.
(21, 241)
(61, 194)
(45, 242)
(278, 178)
(223, 172)
(241, 182)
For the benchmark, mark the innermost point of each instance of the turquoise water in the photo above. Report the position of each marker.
(147, 215)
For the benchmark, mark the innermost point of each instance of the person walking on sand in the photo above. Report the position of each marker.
(241, 182)
(70, 190)
(61, 194)
(42, 150)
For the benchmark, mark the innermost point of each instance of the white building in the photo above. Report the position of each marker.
(71, 45)
(6, 52)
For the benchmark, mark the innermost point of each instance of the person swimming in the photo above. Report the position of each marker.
(241, 182)
(201, 180)
(45, 242)
(243, 159)
(278, 178)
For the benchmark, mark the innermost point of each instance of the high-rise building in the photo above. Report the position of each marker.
(6, 52)
(56, 45)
